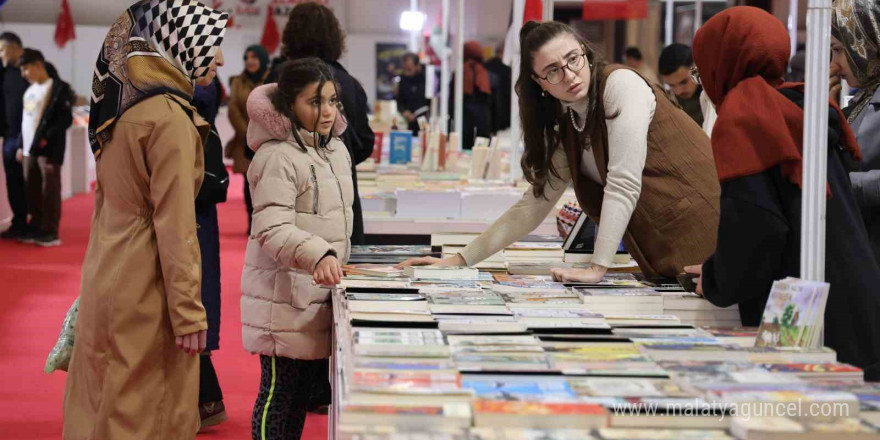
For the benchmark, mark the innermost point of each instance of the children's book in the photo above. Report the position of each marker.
(400, 147)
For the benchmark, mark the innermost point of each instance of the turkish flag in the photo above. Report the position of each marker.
(64, 29)
(615, 9)
(271, 37)
(534, 10)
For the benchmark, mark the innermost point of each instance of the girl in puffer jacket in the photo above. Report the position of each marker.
(300, 180)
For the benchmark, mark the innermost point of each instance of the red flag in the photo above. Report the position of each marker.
(64, 29)
(615, 10)
(271, 38)
(534, 10)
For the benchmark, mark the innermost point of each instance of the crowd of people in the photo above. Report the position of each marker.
(703, 176)
(37, 111)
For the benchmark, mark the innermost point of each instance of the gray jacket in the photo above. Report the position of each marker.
(866, 182)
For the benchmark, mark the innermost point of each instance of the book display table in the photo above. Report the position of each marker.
(520, 357)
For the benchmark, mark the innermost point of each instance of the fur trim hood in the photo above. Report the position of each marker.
(266, 124)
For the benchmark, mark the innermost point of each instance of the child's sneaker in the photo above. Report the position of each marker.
(47, 240)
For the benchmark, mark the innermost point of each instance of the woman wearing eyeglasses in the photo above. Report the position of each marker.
(640, 166)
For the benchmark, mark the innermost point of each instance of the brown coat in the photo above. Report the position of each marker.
(141, 283)
(241, 87)
(675, 222)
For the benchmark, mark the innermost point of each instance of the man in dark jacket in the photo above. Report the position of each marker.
(411, 100)
(501, 93)
(47, 114)
(676, 62)
(14, 87)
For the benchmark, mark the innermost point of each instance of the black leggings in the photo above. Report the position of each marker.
(285, 390)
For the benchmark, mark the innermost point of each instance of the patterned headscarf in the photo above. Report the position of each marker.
(854, 23)
(155, 47)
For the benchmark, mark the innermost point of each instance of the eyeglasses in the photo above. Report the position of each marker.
(695, 74)
(574, 63)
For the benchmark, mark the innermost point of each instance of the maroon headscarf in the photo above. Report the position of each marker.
(742, 54)
(475, 73)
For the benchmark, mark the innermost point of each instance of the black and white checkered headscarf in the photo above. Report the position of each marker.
(184, 32)
(155, 47)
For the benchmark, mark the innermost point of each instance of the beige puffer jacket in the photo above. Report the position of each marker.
(302, 212)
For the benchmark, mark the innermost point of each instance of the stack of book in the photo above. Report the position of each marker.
(616, 301)
(534, 291)
(787, 428)
(388, 254)
(794, 314)
(696, 310)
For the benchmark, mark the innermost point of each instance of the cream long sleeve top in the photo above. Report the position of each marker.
(627, 93)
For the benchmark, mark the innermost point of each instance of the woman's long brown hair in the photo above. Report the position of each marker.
(539, 112)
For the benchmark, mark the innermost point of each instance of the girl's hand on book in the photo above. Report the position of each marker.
(592, 274)
(696, 269)
(455, 260)
(328, 272)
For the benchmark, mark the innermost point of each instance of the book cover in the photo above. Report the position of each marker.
(400, 147)
(536, 408)
(505, 389)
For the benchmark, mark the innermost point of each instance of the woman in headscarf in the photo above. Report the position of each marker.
(477, 90)
(215, 184)
(742, 54)
(256, 69)
(134, 373)
(855, 48)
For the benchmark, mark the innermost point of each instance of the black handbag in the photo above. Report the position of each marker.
(216, 181)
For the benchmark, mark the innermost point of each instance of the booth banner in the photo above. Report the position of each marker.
(389, 62)
(615, 10)
(251, 14)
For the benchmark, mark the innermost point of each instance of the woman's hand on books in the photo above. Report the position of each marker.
(592, 274)
(696, 269)
(328, 272)
(455, 260)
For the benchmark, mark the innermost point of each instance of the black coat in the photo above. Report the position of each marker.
(759, 239)
(500, 94)
(14, 87)
(358, 138)
(57, 118)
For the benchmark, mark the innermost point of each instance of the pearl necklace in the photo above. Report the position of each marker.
(574, 121)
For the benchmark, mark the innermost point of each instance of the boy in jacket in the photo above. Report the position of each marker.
(46, 117)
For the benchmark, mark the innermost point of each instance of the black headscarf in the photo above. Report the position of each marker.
(263, 56)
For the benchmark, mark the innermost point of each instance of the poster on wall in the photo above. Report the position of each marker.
(389, 62)
(251, 14)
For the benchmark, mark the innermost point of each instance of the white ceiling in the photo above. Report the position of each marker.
(87, 12)
(482, 17)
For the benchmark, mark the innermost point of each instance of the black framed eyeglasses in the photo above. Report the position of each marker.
(695, 74)
(574, 63)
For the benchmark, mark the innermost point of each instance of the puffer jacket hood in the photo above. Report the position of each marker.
(267, 124)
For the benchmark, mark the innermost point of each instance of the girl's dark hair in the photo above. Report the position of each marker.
(312, 30)
(295, 76)
(539, 112)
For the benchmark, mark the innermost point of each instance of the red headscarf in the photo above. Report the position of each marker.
(475, 73)
(742, 54)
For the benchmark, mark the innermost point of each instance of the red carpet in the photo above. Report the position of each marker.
(38, 285)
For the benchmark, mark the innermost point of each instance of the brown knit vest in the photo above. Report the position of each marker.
(675, 222)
